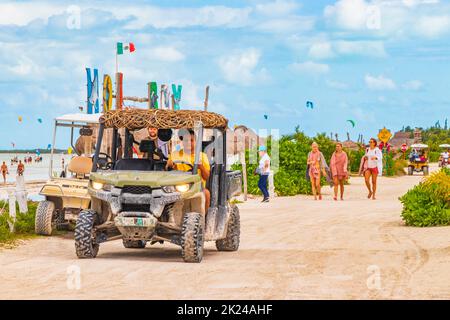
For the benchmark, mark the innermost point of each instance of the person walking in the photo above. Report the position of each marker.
(372, 166)
(4, 170)
(338, 165)
(263, 171)
(20, 168)
(316, 165)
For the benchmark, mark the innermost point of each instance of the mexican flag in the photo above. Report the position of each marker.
(121, 47)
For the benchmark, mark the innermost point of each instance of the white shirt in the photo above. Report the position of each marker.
(262, 164)
(445, 155)
(373, 153)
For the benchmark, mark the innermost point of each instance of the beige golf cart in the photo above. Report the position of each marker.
(66, 191)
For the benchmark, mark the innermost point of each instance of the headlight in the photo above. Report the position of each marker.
(169, 189)
(183, 187)
(97, 185)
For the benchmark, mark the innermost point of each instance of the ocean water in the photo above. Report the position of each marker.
(33, 171)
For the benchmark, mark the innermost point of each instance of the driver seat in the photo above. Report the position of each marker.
(80, 166)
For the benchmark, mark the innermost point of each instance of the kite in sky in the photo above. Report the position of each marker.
(39, 120)
(309, 104)
(352, 123)
(266, 116)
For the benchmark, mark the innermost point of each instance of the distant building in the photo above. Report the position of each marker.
(401, 138)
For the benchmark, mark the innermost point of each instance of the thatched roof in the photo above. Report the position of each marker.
(161, 119)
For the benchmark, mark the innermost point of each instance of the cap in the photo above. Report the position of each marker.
(262, 148)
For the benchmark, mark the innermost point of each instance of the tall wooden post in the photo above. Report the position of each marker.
(244, 173)
(206, 98)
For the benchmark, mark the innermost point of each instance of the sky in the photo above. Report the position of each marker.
(381, 63)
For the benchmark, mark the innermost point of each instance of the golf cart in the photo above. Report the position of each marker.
(444, 157)
(66, 190)
(418, 159)
(137, 198)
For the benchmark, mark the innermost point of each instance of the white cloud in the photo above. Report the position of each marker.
(321, 50)
(166, 53)
(241, 67)
(22, 13)
(277, 8)
(379, 83)
(286, 24)
(413, 85)
(348, 14)
(363, 48)
(433, 26)
(311, 68)
(390, 18)
(161, 18)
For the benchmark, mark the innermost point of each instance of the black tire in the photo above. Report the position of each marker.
(44, 218)
(134, 244)
(410, 171)
(192, 237)
(426, 171)
(231, 241)
(85, 245)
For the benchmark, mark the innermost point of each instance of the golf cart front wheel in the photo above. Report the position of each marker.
(425, 171)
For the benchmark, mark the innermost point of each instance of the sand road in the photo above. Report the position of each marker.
(291, 248)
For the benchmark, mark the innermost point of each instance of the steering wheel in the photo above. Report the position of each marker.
(186, 163)
(104, 161)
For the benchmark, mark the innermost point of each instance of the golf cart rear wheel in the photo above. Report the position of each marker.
(231, 241)
(134, 244)
(192, 238)
(425, 171)
(85, 245)
(410, 171)
(44, 218)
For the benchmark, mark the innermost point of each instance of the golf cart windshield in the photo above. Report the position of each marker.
(80, 146)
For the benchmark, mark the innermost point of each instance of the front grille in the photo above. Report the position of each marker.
(136, 189)
(132, 207)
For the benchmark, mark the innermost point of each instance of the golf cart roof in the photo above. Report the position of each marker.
(419, 146)
(161, 119)
(79, 118)
(445, 145)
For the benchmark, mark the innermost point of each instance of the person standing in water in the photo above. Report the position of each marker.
(20, 168)
(338, 165)
(374, 158)
(4, 170)
(316, 166)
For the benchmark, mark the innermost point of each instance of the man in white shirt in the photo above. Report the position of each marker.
(263, 171)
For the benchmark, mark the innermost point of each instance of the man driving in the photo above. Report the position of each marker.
(188, 155)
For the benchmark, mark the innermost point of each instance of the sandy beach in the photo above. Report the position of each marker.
(291, 248)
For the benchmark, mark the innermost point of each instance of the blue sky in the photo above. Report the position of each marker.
(377, 62)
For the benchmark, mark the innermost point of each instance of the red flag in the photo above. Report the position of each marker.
(132, 48)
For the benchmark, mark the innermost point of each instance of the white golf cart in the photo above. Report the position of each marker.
(66, 191)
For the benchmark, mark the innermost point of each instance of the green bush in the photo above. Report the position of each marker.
(24, 225)
(290, 179)
(433, 156)
(354, 159)
(426, 204)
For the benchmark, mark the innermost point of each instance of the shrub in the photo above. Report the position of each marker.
(290, 179)
(428, 203)
(24, 225)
